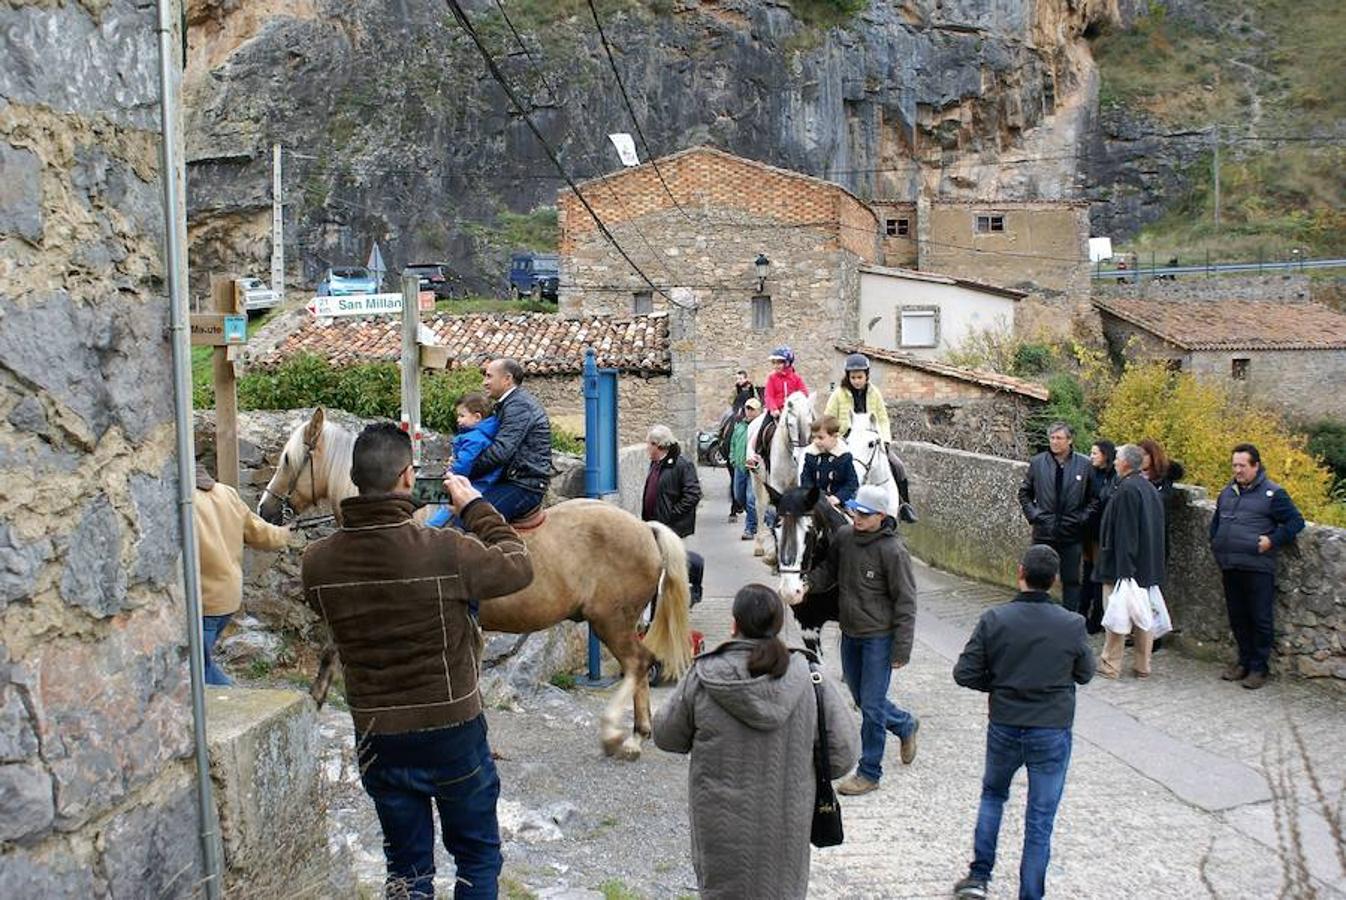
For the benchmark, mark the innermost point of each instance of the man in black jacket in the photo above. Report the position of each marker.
(1057, 500)
(1028, 655)
(1130, 545)
(672, 492)
(522, 446)
(1254, 517)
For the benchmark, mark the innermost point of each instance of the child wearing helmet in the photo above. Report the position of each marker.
(856, 394)
(782, 382)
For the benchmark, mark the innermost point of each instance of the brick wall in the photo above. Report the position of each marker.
(96, 791)
(924, 406)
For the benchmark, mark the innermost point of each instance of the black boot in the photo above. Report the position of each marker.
(905, 511)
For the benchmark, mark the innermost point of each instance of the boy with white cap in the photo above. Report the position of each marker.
(871, 569)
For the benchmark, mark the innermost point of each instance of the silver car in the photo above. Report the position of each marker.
(256, 295)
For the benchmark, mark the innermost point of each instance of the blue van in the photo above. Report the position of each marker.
(534, 275)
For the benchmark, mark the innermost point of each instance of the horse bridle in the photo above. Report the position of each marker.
(288, 516)
(869, 463)
(803, 559)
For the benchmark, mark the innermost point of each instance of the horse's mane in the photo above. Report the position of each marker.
(333, 467)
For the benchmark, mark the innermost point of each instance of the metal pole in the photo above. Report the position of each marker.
(277, 228)
(1215, 176)
(175, 266)
(411, 364)
(591, 443)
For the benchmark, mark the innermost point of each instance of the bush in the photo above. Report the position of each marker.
(1066, 404)
(1200, 423)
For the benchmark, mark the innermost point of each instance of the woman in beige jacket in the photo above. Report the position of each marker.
(223, 525)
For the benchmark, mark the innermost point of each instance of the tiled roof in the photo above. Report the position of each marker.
(937, 278)
(1239, 325)
(993, 380)
(543, 344)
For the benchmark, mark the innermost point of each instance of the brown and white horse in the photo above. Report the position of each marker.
(591, 561)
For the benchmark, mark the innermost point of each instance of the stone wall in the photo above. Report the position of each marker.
(96, 790)
(1198, 288)
(641, 402)
(971, 524)
(1043, 247)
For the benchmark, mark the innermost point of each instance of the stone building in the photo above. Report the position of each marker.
(897, 232)
(696, 228)
(1287, 355)
(96, 783)
(1037, 246)
(926, 314)
(550, 349)
(982, 412)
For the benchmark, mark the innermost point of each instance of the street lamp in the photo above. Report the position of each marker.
(763, 266)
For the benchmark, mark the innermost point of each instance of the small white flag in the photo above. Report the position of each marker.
(626, 148)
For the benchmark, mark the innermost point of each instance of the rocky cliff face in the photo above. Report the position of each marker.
(394, 132)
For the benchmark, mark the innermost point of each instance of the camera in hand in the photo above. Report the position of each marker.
(429, 488)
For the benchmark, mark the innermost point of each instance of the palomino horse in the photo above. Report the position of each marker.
(781, 450)
(869, 453)
(805, 522)
(591, 561)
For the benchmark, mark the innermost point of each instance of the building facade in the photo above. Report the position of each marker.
(1039, 247)
(926, 314)
(897, 232)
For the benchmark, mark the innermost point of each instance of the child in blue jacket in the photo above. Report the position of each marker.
(477, 427)
(827, 463)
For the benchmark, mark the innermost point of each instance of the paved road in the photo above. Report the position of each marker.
(1168, 793)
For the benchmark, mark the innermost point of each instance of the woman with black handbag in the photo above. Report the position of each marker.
(748, 714)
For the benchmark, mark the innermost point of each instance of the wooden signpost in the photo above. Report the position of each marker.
(226, 330)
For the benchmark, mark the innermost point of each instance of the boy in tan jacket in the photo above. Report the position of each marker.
(223, 525)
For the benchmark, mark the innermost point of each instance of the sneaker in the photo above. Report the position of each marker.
(856, 785)
(970, 887)
(1234, 672)
(1255, 680)
(909, 744)
(733, 517)
(747, 536)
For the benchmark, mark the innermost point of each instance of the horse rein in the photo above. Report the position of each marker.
(869, 463)
(288, 516)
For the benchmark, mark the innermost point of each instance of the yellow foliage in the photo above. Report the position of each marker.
(1199, 423)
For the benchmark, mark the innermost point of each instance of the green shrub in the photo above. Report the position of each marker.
(1032, 359)
(1327, 441)
(566, 442)
(1066, 404)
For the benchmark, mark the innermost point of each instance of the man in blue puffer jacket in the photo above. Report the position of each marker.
(1254, 517)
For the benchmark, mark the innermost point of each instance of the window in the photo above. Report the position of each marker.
(1238, 369)
(898, 227)
(918, 326)
(761, 312)
(988, 224)
(642, 302)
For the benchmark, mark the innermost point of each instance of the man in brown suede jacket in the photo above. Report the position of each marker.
(396, 595)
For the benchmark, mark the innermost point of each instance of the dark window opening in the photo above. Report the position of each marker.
(761, 312)
(903, 227)
(989, 224)
(890, 227)
(1238, 369)
(642, 302)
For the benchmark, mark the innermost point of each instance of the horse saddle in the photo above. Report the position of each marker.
(765, 434)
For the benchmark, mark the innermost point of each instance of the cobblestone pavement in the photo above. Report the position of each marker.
(1168, 794)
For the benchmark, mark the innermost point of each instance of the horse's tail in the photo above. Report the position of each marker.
(669, 636)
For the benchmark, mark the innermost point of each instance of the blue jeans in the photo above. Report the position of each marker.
(211, 626)
(410, 775)
(511, 500)
(1250, 598)
(1046, 753)
(745, 497)
(867, 667)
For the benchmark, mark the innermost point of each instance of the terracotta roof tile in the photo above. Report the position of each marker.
(1241, 325)
(993, 380)
(543, 344)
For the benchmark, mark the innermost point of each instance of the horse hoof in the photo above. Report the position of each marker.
(630, 749)
(758, 551)
(612, 746)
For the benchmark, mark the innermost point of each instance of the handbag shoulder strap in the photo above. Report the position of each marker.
(820, 758)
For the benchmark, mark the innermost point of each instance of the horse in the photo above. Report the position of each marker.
(780, 444)
(805, 522)
(592, 561)
(871, 457)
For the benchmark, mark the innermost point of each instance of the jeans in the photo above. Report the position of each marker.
(511, 500)
(211, 626)
(1046, 753)
(410, 775)
(867, 667)
(735, 504)
(696, 570)
(1071, 553)
(746, 498)
(1250, 598)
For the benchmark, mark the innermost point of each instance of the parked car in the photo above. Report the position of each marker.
(257, 296)
(343, 282)
(436, 277)
(534, 275)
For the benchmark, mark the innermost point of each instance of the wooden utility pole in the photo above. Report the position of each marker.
(411, 364)
(227, 303)
(1215, 175)
(277, 228)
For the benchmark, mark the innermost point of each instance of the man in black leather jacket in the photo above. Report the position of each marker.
(522, 446)
(1057, 499)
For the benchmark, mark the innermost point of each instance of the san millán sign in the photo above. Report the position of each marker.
(365, 305)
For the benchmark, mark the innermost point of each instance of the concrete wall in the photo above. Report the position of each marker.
(898, 250)
(960, 310)
(1043, 248)
(96, 794)
(971, 524)
(632, 466)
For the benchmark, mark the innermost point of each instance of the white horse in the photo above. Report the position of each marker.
(869, 453)
(780, 467)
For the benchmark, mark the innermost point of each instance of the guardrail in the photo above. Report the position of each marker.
(1171, 272)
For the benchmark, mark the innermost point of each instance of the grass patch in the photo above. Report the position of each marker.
(477, 305)
(203, 384)
(563, 680)
(513, 889)
(616, 889)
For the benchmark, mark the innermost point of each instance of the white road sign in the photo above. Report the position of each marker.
(356, 305)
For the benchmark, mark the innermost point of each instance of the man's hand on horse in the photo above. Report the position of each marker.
(461, 492)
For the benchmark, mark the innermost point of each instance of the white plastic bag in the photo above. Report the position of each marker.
(1162, 624)
(1128, 607)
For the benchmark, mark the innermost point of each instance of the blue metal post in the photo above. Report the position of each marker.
(591, 445)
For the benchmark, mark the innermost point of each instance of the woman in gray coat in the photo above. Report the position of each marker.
(747, 713)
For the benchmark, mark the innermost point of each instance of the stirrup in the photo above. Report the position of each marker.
(907, 513)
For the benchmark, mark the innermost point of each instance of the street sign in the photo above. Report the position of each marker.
(367, 305)
(218, 329)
